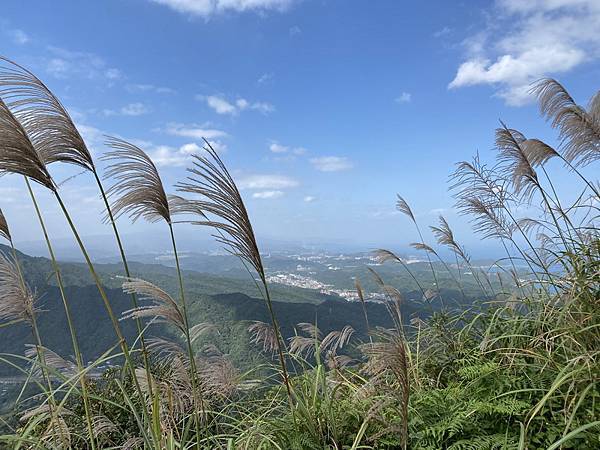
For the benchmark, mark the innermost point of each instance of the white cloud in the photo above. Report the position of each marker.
(309, 199)
(295, 30)
(267, 194)
(267, 182)
(529, 40)
(19, 37)
(65, 63)
(194, 131)
(405, 97)
(265, 78)
(135, 109)
(207, 8)
(140, 87)
(331, 163)
(276, 147)
(222, 106)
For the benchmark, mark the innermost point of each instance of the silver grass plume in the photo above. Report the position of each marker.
(163, 306)
(44, 118)
(221, 198)
(403, 206)
(520, 170)
(17, 153)
(263, 334)
(579, 130)
(445, 236)
(4, 230)
(138, 187)
(200, 329)
(17, 302)
(52, 360)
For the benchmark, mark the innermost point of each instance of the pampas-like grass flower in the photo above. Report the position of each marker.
(4, 230)
(221, 198)
(263, 334)
(17, 153)
(579, 128)
(17, 301)
(42, 116)
(163, 306)
(138, 187)
(52, 360)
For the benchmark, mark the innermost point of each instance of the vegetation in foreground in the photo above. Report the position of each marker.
(518, 371)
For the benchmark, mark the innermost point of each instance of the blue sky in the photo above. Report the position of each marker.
(322, 109)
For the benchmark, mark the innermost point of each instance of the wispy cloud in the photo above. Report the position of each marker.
(276, 147)
(404, 97)
(331, 163)
(19, 37)
(266, 182)
(267, 194)
(295, 31)
(131, 109)
(265, 78)
(194, 131)
(223, 106)
(309, 199)
(529, 40)
(140, 87)
(64, 63)
(207, 8)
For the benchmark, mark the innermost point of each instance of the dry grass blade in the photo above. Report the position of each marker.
(579, 129)
(57, 434)
(17, 302)
(263, 334)
(46, 121)
(138, 187)
(17, 153)
(221, 198)
(163, 306)
(403, 207)
(52, 360)
(4, 230)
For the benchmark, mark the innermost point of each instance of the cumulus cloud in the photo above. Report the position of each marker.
(276, 147)
(266, 182)
(331, 163)
(529, 40)
(168, 156)
(207, 8)
(267, 194)
(194, 131)
(223, 106)
(405, 97)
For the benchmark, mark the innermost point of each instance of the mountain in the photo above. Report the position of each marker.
(229, 303)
